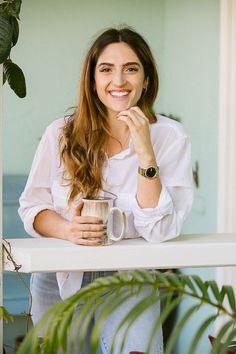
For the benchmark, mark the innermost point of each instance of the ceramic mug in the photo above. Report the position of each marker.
(102, 207)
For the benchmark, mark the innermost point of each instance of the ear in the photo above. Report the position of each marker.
(146, 83)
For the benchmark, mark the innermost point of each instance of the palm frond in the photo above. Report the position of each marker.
(200, 332)
(224, 347)
(175, 334)
(166, 310)
(60, 325)
(223, 335)
(132, 315)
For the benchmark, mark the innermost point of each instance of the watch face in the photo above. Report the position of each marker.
(151, 172)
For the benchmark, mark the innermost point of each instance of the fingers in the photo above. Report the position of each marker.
(87, 242)
(135, 109)
(92, 234)
(139, 111)
(87, 220)
(136, 121)
(78, 208)
(133, 117)
(89, 238)
(84, 230)
(138, 125)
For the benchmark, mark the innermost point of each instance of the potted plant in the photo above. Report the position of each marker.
(56, 328)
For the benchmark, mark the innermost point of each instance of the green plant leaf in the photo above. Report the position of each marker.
(4, 314)
(221, 334)
(6, 32)
(15, 30)
(112, 304)
(118, 288)
(176, 281)
(51, 323)
(164, 314)
(161, 279)
(201, 286)
(15, 78)
(203, 327)
(84, 316)
(188, 281)
(231, 297)
(215, 290)
(4, 79)
(179, 326)
(3, 6)
(30, 343)
(50, 340)
(132, 316)
(14, 8)
(63, 328)
(228, 340)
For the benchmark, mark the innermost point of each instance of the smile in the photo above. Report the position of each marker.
(119, 93)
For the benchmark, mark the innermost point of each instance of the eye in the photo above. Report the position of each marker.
(132, 69)
(105, 70)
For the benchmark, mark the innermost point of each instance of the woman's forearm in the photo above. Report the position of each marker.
(50, 224)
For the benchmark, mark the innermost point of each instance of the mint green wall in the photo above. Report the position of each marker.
(190, 90)
(183, 35)
(191, 52)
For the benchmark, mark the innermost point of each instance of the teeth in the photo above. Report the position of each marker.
(119, 94)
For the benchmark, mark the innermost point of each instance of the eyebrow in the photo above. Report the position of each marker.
(124, 65)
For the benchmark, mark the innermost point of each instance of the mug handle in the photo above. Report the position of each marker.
(122, 216)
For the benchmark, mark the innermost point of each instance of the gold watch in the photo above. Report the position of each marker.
(150, 172)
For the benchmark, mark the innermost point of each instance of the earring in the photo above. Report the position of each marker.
(144, 89)
(146, 82)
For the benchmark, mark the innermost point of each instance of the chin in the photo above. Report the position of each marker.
(123, 107)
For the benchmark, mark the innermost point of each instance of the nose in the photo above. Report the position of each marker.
(119, 78)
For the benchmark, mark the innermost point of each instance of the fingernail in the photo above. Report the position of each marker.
(104, 226)
(104, 233)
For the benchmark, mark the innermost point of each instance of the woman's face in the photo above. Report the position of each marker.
(119, 78)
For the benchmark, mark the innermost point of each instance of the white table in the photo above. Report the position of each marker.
(51, 255)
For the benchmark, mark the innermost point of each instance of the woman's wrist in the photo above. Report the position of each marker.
(147, 159)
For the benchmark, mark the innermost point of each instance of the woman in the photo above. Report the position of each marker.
(113, 142)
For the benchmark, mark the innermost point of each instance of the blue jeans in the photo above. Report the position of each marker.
(45, 293)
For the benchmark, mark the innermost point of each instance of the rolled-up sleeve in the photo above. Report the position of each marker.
(165, 221)
(37, 193)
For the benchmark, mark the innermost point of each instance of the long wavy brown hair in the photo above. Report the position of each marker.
(85, 133)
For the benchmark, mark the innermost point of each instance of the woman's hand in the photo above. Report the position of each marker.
(86, 230)
(140, 133)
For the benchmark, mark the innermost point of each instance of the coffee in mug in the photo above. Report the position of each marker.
(102, 208)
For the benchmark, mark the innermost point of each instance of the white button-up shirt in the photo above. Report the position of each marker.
(45, 188)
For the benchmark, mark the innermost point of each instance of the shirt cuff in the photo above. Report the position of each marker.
(150, 215)
(29, 220)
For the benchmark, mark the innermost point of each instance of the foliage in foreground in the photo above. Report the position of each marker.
(5, 315)
(9, 34)
(114, 290)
